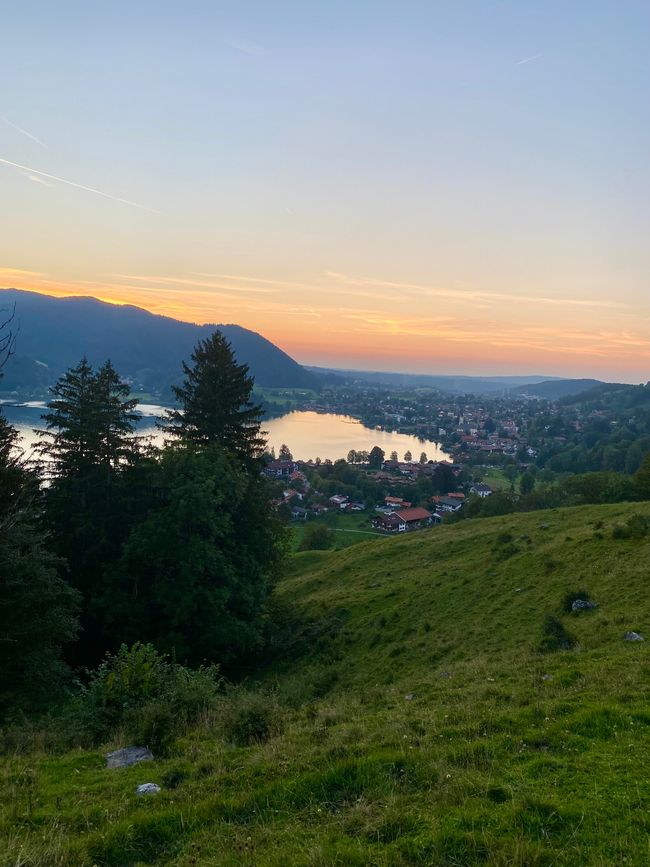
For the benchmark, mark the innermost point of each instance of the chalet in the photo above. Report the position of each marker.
(389, 522)
(415, 517)
(279, 469)
(395, 503)
(299, 514)
(400, 522)
(338, 501)
(481, 490)
(297, 476)
(447, 504)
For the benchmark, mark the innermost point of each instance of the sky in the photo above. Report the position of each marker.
(439, 187)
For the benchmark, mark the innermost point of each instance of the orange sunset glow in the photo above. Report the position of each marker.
(364, 323)
(465, 195)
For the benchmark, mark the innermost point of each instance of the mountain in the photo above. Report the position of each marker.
(555, 389)
(54, 333)
(485, 385)
(410, 717)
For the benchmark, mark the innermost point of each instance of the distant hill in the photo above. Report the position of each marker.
(453, 384)
(554, 389)
(54, 333)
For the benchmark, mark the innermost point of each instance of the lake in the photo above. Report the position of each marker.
(308, 434)
(313, 434)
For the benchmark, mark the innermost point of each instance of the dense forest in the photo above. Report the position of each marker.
(106, 543)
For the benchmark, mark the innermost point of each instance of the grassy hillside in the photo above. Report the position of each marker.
(414, 721)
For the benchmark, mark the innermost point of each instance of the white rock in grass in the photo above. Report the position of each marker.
(128, 756)
(147, 789)
(633, 636)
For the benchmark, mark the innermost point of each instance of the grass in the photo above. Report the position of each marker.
(350, 528)
(416, 720)
(496, 479)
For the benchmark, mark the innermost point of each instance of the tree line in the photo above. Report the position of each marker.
(107, 540)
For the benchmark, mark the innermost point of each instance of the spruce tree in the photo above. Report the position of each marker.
(196, 572)
(215, 402)
(88, 443)
(38, 609)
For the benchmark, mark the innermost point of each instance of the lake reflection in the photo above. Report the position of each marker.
(316, 435)
(308, 434)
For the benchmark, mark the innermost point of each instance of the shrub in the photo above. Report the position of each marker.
(318, 537)
(146, 694)
(247, 718)
(637, 526)
(555, 636)
(620, 531)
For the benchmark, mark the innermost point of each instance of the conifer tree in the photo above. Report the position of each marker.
(88, 442)
(215, 402)
(38, 610)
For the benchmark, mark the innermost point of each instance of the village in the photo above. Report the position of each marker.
(385, 507)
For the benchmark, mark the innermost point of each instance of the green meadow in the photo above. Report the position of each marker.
(433, 701)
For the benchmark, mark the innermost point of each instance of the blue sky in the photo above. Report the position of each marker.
(426, 186)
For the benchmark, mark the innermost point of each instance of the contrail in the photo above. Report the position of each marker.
(78, 186)
(528, 59)
(23, 131)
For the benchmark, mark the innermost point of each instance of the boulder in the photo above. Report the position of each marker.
(582, 605)
(147, 789)
(127, 757)
(633, 636)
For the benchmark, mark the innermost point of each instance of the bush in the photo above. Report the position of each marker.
(247, 718)
(318, 537)
(637, 526)
(555, 636)
(146, 694)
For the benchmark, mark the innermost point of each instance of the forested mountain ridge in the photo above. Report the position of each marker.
(54, 333)
(555, 389)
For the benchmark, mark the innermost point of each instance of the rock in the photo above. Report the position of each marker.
(147, 789)
(547, 677)
(410, 697)
(127, 757)
(582, 605)
(633, 636)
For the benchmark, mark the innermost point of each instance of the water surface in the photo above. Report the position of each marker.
(308, 434)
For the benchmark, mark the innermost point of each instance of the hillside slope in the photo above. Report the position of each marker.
(417, 721)
(555, 389)
(54, 333)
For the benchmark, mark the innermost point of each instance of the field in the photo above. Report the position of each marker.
(349, 528)
(424, 713)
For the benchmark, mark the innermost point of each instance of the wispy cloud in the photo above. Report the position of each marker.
(19, 272)
(31, 171)
(528, 59)
(38, 180)
(466, 294)
(22, 131)
(207, 284)
(246, 46)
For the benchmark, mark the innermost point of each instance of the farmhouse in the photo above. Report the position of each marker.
(481, 489)
(403, 520)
